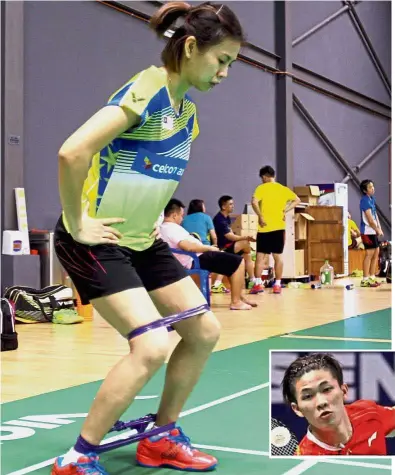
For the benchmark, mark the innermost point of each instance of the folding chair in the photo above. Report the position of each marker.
(203, 274)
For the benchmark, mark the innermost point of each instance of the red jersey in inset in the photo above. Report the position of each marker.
(370, 423)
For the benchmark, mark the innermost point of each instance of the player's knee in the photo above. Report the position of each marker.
(209, 330)
(151, 349)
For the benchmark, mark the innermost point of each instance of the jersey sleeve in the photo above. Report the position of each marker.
(136, 95)
(258, 193)
(365, 204)
(387, 417)
(289, 194)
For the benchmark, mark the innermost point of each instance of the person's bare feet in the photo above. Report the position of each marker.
(240, 306)
(249, 302)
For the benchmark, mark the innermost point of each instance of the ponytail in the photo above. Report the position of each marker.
(162, 20)
(209, 23)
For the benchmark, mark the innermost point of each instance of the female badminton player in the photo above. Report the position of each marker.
(117, 172)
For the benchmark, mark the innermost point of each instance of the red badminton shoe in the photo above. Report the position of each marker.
(173, 450)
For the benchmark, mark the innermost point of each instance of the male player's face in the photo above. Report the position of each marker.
(320, 399)
(370, 189)
(179, 216)
(207, 69)
(229, 206)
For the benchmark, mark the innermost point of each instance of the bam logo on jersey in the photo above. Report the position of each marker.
(159, 166)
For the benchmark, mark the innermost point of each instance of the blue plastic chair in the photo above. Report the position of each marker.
(196, 269)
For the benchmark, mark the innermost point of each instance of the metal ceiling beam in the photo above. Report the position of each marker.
(368, 45)
(268, 61)
(144, 10)
(283, 105)
(367, 159)
(318, 26)
(305, 77)
(332, 150)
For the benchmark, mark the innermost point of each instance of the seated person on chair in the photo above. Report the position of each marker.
(198, 223)
(228, 240)
(210, 258)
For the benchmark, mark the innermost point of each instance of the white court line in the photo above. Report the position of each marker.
(37, 466)
(232, 450)
(223, 399)
(335, 338)
(357, 464)
(302, 467)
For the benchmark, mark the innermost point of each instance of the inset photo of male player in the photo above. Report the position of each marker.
(332, 403)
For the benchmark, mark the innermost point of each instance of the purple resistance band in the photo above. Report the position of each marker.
(168, 321)
(141, 425)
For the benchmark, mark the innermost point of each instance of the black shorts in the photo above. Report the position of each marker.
(106, 269)
(271, 242)
(230, 248)
(220, 262)
(370, 241)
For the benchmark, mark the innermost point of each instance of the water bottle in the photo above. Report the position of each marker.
(326, 274)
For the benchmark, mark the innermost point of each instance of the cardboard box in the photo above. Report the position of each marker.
(253, 222)
(239, 221)
(244, 232)
(308, 194)
(299, 262)
(301, 220)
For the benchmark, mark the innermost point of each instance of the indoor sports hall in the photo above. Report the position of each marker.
(309, 94)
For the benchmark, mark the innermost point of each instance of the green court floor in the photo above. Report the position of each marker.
(227, 413)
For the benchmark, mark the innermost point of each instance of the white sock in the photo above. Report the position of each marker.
(258, 281)
(158, 436)
(373, 277)
(72, 456)
(278, 282)
(217, 283)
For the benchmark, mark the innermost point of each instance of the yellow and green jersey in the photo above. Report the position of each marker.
(138, 172)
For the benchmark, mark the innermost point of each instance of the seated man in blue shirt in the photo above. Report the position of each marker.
(228, 240)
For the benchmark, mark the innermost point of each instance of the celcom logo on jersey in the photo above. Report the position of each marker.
(159, 166)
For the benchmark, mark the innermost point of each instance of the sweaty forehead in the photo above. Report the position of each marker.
(313, 379)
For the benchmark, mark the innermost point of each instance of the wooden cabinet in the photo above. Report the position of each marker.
(325, 238)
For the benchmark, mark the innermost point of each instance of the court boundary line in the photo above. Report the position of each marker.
(363, 315)
(335, 338)
(303, 466)
(202, 407)
(303, 460)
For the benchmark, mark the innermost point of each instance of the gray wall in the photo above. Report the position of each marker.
(337, 52)
(78, 53)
